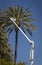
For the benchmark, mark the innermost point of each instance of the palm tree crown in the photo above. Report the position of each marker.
(23, 19)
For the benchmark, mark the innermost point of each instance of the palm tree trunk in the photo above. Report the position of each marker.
(16, 43)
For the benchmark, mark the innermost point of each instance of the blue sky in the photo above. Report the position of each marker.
(23, 44)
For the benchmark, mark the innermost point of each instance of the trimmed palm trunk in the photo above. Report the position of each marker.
(16, 43)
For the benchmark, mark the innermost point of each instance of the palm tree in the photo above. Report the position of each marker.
(5, 49)
(23, 20)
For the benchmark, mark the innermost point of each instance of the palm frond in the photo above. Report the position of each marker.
(33, 27)
(22, 29)
(30, 25)
(27, 10)
(28, 30)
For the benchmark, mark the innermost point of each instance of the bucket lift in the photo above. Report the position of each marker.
(30, 41)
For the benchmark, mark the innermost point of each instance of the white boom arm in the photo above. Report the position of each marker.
(31, 42)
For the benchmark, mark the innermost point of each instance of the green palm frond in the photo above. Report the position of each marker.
(28, 25)
(22, 29)
(27, 10)
(9, 30)
(28, 30)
